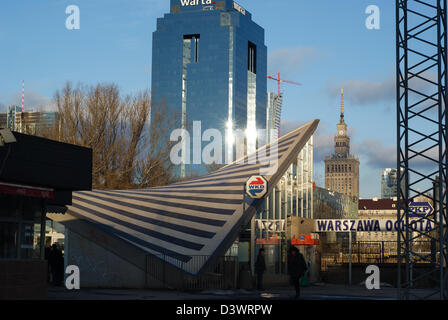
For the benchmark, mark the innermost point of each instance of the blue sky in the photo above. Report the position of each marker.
(324, 45)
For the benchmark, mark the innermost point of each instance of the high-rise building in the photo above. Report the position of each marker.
(29, 122)
(3, 119)
(209, 64)
(273, 116)
(342, 168)
(389, 183)
(11, 116)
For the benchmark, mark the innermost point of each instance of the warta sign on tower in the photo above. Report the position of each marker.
(186, 3)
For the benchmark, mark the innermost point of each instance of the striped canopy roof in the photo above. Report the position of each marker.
(199, 217)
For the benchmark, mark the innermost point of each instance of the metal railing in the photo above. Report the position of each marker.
(221, 274)
(371, 252)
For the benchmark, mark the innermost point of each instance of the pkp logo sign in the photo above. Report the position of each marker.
(256, 187)
(420, 209)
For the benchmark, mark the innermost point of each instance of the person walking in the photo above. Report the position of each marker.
(260, 267)
(296, 268)
(56, 262)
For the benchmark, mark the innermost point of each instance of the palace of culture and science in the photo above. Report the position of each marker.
(342, 168)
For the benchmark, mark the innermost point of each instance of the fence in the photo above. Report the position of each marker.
(221, 274)
(370, 252)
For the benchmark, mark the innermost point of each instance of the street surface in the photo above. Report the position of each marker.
(315, 292)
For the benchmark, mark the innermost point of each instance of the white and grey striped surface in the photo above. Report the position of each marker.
(200, 217)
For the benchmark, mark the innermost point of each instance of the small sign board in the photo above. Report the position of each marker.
(270, 225)
(256, 187)
(371, 225)
(305, 239)
(239, 8)
(420, 209)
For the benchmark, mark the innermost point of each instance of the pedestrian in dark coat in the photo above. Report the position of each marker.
(296, 268)
(56, 262)
(47, 255)
(260, 267)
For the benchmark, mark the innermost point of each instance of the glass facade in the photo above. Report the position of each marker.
(11, 116)
(3, 120)
(389, 181)
(292, 197)
(210, 65)
(54, 233)
(273, 118)
(333, 205)
(28, 122)
(20, 227)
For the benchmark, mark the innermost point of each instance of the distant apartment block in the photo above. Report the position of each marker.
(3, 119)
(28, 122)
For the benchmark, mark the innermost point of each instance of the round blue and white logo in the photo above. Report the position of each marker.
(256, 187)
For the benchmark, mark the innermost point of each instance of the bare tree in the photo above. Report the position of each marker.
(156, 168)
(130, 150)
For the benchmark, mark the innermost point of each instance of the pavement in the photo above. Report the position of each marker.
(318, 291)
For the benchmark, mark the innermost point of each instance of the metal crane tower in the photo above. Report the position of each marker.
(421, 66)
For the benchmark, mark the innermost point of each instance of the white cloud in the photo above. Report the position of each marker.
(376, 154)
(360, 92)
(364, 92)
(33, 100)
(323, 140)
(290, 60)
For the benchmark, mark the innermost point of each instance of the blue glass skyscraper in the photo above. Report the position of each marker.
(209, 64)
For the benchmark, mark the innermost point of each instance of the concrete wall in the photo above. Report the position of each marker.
(104, 261)
(99, 267)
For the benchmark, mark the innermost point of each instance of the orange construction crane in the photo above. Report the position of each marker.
(279, 81)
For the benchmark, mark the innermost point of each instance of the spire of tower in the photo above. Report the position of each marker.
(342, 105)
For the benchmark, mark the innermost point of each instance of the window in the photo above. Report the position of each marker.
(194, 38)
(20, 221)
(252, 58)
(8, 238)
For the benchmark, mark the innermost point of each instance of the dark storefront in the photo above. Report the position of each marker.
(36, 175)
